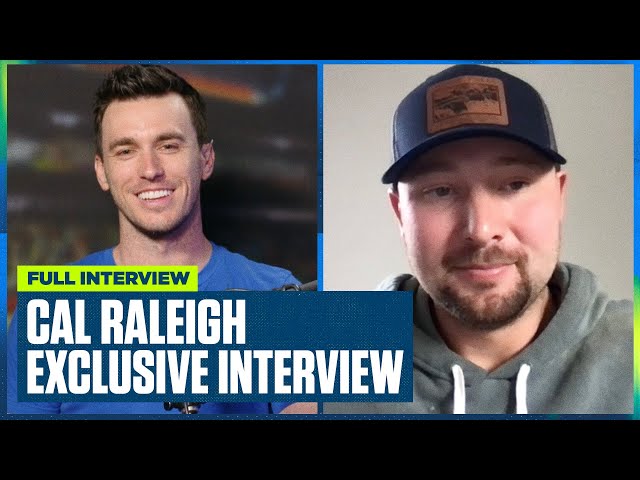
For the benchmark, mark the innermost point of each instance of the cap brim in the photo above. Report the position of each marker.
(393, 174)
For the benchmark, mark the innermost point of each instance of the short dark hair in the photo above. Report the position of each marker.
(135, 81)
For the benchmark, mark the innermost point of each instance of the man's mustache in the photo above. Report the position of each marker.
(471, 256)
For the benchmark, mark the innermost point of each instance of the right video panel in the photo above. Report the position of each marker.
(501, 195)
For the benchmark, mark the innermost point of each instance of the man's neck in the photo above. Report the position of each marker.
(491, 349)
(140, 249)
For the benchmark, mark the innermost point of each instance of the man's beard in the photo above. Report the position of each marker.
(487, 312)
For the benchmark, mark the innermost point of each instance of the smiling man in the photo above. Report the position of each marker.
(500, 324)
(152, 153)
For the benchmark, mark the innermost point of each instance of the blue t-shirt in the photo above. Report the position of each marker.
(224, 270)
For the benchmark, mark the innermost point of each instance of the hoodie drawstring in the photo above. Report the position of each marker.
(458, 390)
(459, 395)
(521, 388)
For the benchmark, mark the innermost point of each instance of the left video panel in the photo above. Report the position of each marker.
(241, 201)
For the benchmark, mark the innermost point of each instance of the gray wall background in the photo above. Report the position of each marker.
(591, 107)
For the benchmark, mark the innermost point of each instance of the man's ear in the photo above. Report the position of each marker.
(562, 180)
(98, 165)
(208, 157)
(394, 199)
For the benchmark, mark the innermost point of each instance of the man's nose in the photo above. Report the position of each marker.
(485, 218)
(151, 164)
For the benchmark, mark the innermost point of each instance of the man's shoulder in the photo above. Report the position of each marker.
(587, 290)
(394, 282)
(239, 260)
(102, 257)
(619, 314)
(243, 272)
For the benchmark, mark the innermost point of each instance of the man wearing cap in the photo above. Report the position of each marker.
(500, 324)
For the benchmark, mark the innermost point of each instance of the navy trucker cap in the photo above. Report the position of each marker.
(468, 101)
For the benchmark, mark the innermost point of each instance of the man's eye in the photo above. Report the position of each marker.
(123, 152)
(438, 192)
(169, 147)
(517, 185)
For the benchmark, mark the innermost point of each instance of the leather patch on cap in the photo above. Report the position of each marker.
(466, 100)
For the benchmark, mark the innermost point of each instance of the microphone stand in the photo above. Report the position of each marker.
(188, 408)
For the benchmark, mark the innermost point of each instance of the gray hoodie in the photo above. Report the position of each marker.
(582, 363)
